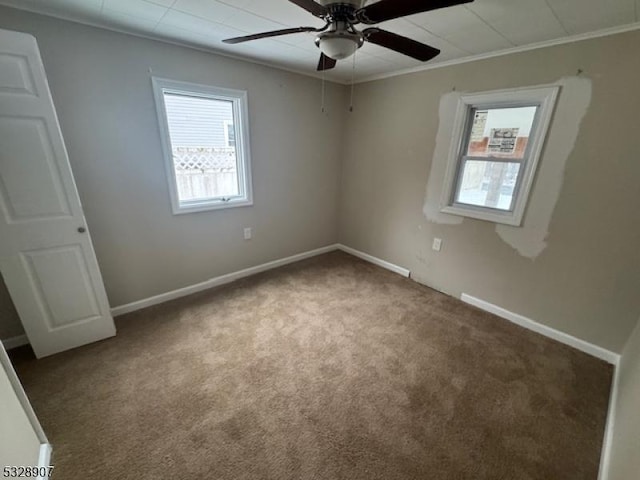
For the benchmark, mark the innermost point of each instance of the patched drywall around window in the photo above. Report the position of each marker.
(529, 239)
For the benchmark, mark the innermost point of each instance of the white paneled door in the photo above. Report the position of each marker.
(46, 255)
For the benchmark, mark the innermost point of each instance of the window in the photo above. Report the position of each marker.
(205, 133)
(497, 142)
(229, 134)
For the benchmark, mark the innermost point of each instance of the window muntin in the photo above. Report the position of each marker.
(499, 138)
(207, 169)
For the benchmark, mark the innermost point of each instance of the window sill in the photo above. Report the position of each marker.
(206, 206)
(506, 218)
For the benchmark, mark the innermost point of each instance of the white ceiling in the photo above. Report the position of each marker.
(481, 27)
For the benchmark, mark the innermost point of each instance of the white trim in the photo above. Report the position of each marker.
(44, 459)
(583, 346)
(607, 443)
(231, 277)
(578, 344)
(239, 98)
(217, 281)
(508, 51)
(544, 98)
(15, 342)
(375, 260)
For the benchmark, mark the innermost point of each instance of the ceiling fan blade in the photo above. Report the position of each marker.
(326, 63)
(400, 44)
(275, 33)
(311, 6)
(390, 9)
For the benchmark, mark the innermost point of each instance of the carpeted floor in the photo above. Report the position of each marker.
(327, 369)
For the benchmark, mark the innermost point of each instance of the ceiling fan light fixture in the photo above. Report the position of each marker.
(341, 36)
(339, 45)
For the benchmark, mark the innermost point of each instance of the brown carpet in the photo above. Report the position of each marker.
(327, 369)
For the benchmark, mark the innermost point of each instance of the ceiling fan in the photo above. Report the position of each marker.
(339, 38)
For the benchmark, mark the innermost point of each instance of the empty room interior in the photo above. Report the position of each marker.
(320, 239)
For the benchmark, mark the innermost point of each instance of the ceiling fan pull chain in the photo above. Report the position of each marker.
(353, 76)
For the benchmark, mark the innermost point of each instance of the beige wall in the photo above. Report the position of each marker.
(624, 463)
(585, 281)
(101, 87)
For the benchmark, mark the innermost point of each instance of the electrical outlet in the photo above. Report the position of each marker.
(437, 244)
(248, 233)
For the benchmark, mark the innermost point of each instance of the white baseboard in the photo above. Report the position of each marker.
(230, 277)
(605, 457)
(375, 260)
(217, 281)
(15, 342)
(44, 458)
(582, 345)
(586, 347)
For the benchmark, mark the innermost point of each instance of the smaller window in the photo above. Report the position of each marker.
(496, 145)
(229, 134)
(205, 134)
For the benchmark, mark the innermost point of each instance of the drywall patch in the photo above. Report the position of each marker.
(448, 103)
(529, 240)
(574, 100)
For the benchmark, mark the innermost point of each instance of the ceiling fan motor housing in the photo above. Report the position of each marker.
(355, 3)
(342, 40)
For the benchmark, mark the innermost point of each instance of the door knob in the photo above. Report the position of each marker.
(81, 229)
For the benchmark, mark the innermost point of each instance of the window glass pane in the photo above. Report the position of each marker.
(488, 184)
(205, 162)
(501, 132)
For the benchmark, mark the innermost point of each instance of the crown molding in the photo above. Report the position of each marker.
(170, 41)
(381, 76)
(509, 51)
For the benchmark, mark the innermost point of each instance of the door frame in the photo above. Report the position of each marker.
(44, 456)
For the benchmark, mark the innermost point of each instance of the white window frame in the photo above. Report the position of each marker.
(243, 153)
(226, 124)
(543, 97)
